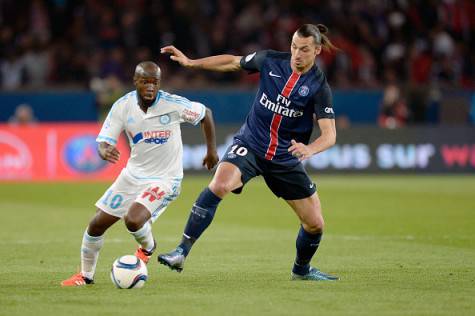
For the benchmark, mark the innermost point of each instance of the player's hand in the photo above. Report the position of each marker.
(108, 152)
(210, 160)
(299, 150)
(176, 55)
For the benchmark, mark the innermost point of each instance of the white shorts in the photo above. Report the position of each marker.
(155, 195)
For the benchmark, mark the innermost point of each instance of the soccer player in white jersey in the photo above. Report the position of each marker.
(151, 180)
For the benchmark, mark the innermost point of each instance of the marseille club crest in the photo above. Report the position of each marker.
(165, 119)
(303, 91)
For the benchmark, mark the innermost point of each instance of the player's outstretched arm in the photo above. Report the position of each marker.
(108, 152)
(222, 63)
(207, 125)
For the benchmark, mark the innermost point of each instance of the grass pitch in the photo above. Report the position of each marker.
(402, 245)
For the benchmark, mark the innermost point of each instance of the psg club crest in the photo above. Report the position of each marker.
(165, 119)
(303, 91)
(80, 154)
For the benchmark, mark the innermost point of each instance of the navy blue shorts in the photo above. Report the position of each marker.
(289, 183)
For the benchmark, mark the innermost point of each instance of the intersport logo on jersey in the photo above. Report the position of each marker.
(156, 137)
(281, 106)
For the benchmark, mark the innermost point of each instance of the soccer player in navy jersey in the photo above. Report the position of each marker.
(273, 141)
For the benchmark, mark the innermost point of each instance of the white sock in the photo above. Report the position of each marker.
(144, 237)
(90, 248)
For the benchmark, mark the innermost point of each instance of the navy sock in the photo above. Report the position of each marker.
(307, 245)
(201, 215)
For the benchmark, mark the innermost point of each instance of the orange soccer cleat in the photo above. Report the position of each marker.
(145, 255)
(77, 280)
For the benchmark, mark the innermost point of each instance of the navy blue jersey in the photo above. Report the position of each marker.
(284, 106)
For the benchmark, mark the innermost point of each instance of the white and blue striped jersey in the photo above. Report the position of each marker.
(155, 136)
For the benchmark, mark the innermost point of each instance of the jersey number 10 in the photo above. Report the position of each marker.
(241, 151)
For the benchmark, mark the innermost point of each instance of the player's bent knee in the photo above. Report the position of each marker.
(100, 223)
(220, 188)
(134, 222)
(315, 226)
(95, 228)
(136, 217)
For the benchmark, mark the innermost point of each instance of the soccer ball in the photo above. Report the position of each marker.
(129, 272)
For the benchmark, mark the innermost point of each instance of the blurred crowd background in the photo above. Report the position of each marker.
(411, 50)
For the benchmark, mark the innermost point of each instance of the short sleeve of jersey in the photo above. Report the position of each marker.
(323, 102)
(253, 62)
(113, 125)
(191, 112)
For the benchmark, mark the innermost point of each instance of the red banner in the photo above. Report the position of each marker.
(55, 152)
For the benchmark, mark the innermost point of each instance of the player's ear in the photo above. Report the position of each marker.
(318, 50)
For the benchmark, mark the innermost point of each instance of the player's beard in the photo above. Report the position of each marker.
(299, 66)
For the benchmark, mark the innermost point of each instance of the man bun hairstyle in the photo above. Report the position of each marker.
(318, 32)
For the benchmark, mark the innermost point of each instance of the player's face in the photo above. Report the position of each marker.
(147, 87)
(304, 51)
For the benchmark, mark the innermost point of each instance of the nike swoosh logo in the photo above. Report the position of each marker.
(273, 75)
(249, 57)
